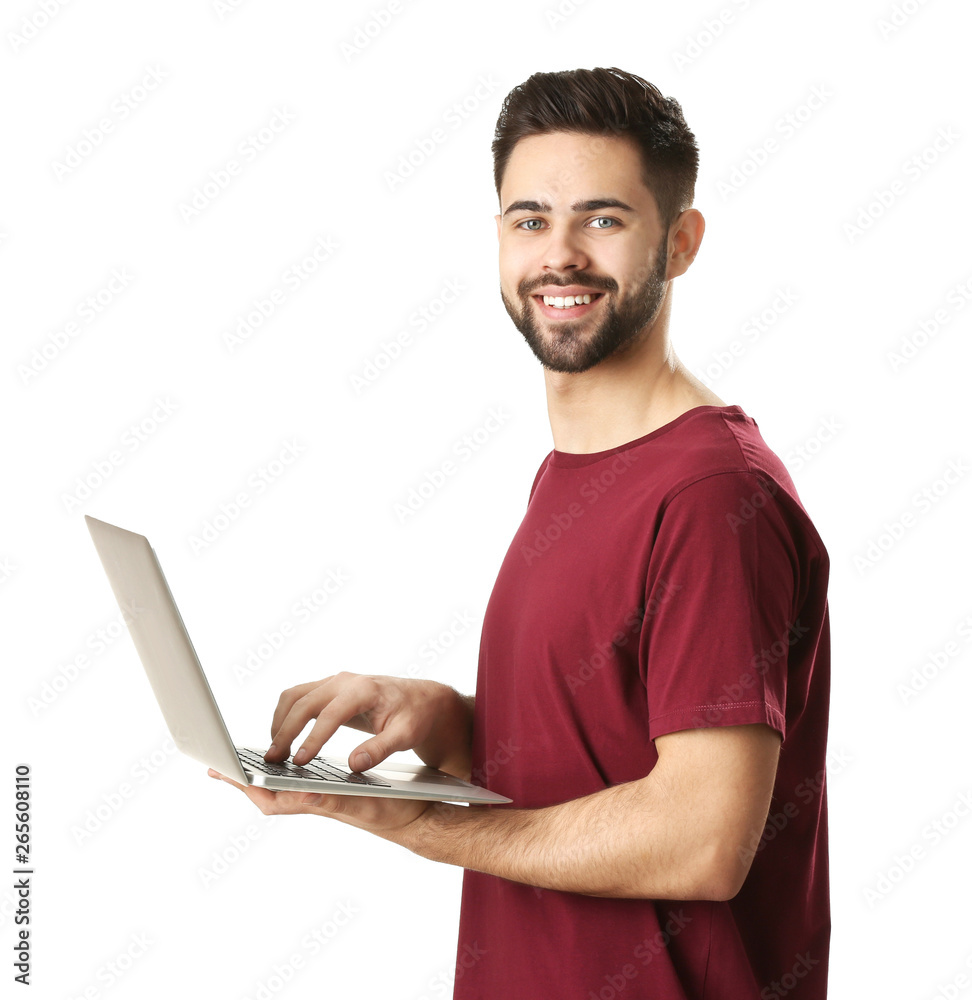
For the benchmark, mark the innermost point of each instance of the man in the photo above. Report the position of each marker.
(653, 683)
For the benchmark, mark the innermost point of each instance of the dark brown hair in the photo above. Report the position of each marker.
(606, 102)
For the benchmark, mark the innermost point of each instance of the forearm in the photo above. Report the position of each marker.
(622, 841)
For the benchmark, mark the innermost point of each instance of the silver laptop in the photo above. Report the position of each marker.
(191, 713)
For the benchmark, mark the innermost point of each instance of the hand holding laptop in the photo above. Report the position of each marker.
(403, 714)
(393, 819)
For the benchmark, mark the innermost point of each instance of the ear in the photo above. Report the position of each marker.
(686, 240)
(499, 225)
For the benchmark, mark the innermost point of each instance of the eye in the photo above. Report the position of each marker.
(596, 223)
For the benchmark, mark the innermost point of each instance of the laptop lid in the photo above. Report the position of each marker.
(164, 647)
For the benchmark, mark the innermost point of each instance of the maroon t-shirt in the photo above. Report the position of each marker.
(670, 583)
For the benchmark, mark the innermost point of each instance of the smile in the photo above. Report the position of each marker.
(567, 307)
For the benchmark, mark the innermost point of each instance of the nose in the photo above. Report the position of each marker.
(562, 250)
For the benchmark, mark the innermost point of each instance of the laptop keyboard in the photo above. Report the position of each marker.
(317, 769)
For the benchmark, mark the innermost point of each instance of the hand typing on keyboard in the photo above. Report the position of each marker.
(402, 714)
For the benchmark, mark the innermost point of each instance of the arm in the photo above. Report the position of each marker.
(688, 830)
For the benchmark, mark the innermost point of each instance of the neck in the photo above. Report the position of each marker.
(635, 391)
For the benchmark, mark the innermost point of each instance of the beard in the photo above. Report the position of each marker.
(566, 347)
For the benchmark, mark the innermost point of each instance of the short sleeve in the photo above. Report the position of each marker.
(722, 580)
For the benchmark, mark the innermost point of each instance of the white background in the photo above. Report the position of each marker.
(824, 362)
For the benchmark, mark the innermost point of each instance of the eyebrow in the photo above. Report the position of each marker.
(592, 205)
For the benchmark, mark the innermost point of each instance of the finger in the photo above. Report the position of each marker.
(285, 705)
(288, 697)
(272, 803)
(372, 752)
(263, 798)
(323, 804)
(296, 707)
(354, 699)
(215, 774)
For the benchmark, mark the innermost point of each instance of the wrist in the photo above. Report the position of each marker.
(449, 747)
(416, 836)
(459, 834)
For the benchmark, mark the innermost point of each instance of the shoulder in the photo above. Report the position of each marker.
(722, 441)
(723, 469)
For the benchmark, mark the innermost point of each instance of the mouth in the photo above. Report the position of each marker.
(567, 307)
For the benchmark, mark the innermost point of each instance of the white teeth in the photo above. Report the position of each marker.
(565, 302)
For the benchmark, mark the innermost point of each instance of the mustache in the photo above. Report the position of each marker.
(587, 280)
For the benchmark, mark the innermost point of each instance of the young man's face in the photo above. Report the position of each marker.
(578, 220)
